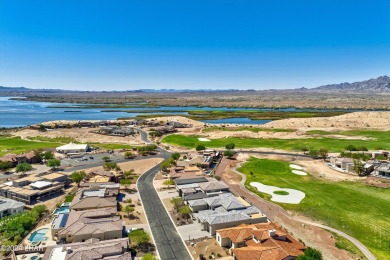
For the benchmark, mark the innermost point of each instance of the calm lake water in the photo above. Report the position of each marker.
(15, 113)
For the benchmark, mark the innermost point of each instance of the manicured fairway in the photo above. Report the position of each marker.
(18, 145)
(359, 210)
(379, 139)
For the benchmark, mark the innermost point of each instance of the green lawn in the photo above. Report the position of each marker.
(70, 197)
(18, 145)
(359, 210)
(380, 139)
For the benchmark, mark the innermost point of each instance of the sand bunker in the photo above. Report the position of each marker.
(293, 197)
(203, 139)
(298, 172)
(296, 167)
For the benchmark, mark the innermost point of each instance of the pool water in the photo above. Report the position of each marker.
(39, 235)
(62, 209)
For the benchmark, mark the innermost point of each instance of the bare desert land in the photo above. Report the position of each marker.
(268, 98)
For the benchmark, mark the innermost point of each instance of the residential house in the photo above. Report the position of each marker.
(114, 249)
(31, 189)
(259, 241)
(225, 211)
(342, 163)
(99, 224)
(94, 198)
(9, 207)
(203, 190)
(14, 159)
(383, 170)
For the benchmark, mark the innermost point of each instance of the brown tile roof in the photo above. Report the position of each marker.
(267, 247)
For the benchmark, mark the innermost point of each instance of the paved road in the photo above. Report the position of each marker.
(359, 245)
(168, 242)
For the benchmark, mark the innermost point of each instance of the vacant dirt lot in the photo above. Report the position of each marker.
(83, 135)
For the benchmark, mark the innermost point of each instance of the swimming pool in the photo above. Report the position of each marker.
(62, 209)
(39, 235)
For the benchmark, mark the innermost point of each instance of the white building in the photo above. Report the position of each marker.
(73, 148)
(9, 207)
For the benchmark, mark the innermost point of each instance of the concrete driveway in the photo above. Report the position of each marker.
(192, 231)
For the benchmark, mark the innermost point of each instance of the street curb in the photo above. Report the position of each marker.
(182, 239)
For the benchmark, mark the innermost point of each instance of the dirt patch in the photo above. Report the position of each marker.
(207, 247)
(356, 120)
(378, 182)
(139, 166)
(178, 220)
(83, 135)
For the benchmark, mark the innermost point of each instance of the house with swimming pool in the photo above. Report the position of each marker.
(102, 224)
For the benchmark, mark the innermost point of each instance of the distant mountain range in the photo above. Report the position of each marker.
(377, 85)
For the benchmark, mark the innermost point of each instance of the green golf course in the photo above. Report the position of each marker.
(359, 210)
(316, 140)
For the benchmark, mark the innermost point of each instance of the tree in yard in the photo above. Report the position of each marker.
(106, 159)
(169, 183)
(167, 163)
(77, 177)
(148, 256)
(129, 155)
(358, 167)
(230, 146)
(350, 148)
(129, 210)
(40, 209)
(175, 156)
(5, 165)
(47, 155)
(127, 174)
(177, 202)
(53, 163)
(362, 148)
(379, 157)
(313, 153)
(200, 147)
(185, 211)
(23, 167)
(42, 128)
(111, 166)
(310, 254)
(126, 183)
(138, 237)
(228, 153)
(323, 152)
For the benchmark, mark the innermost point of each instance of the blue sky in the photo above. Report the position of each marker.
(120, 45)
